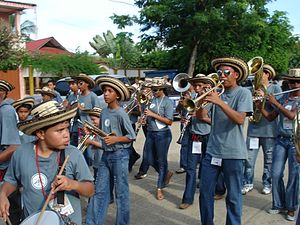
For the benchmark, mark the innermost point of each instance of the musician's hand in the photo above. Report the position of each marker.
(86, 130)
(213, 98)
(62, 183)
(88, 141)
(258, 104)
(148, 112)
(109, 140)
(4, 207)
(272, 100)
(80, 106)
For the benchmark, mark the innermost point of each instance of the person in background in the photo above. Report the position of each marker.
(9, 141)
(46, 93)
(261, 133)
(285, 199)
(23, 107)
(226, 148)
(51, 85)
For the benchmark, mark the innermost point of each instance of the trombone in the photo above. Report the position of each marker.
(261, 98)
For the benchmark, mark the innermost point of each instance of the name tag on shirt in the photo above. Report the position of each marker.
(159, 124)
(216, 161)
(65, 209)
(197, 146)
(287, 124)
(254, 143)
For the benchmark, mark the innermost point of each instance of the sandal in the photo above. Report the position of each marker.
(159, 194)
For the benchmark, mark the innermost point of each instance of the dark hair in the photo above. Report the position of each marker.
(51, 81)
(27, 106)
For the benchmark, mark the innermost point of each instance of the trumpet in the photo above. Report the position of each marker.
(82, 146)
(144, 98)
(143, 116)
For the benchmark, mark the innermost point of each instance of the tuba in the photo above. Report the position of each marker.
(296, 129)
(256, 68)
(180, 82)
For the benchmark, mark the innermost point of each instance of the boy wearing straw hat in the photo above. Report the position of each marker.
(226, 147)
(114, 162)
(47, 94)
(50, 124)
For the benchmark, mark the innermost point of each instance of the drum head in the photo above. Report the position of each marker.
(48, 218)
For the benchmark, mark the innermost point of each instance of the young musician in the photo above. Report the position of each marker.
(113, 167)
(285, 198)
(159, 117)
(50, 124)
(197, 136)
(51, 85)
(226, 148)
(47, 94)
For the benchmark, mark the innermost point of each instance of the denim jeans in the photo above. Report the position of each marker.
(144, 167)
(267, 147)
(285, 197)
(157, 146)
(114, 165)
(220, 186)
(184, 149)
(191, 170)
(233, 172)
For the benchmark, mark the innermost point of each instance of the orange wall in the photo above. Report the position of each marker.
(13, 77)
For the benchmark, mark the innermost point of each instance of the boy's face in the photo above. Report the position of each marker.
(110, 94)
(95, 120)
(56, 137)
(51, 85)
(23, 113)
(46, 98)
(73, 86)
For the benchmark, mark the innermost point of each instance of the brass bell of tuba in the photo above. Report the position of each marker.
(180, 82)
(256, 68)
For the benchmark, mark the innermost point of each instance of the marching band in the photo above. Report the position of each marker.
(213, 111)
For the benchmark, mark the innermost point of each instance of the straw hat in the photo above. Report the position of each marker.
(116, 84)
(294, 74)
(270, 70)
(130, 88)
(69, 79)
(27, 101)
(5, 86)
(158, 82)
(46, 114)
(86, 79)
(203, 79)
(46, 91)
(96, 111)
(238, 64)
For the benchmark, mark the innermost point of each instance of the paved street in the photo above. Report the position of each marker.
(146, 210)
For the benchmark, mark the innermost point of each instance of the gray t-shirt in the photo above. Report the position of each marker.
(116, 121)
(88, 102)
(72, 98)
(9, 133)
(226, 138)
(57, 97)
(162, 106)
(285, 126)
(200, 127)
(265, 128)
(23, 171)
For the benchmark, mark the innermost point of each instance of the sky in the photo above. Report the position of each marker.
(74, 23)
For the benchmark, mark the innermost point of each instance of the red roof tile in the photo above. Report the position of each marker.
(46, 45)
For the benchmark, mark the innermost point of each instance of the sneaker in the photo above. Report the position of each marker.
(180, 170)
(275, 211)
(247, 188)
(266, 190)
(140, 175)
(290, 216)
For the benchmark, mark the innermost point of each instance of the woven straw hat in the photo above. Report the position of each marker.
(27, 101)
(86, 79)
(116, 84)
(46, 91)
(46, 114)
(238, 64)
(130, 88)
(5, 86)
(203, 79)
(159, 82)
(270, 70)
(294, 74)
(96, 111)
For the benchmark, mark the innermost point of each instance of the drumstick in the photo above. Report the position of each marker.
(52, 189)
(8, 221)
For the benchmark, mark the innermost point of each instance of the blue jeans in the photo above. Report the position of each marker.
(114, 165)
(233, 172)
(220, 186)
(144, 167)
(191, 170)
(184, 149)
(267, 147)
(157, 146)
(285, 198)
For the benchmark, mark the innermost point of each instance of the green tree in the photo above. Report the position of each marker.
(27, 27)
(11, 53)
(62, 65)
(196, 31)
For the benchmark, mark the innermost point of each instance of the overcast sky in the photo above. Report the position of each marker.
(75, 23)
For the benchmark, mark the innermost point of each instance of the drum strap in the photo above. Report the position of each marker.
(61, 194)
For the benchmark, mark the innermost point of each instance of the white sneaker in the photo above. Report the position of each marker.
(266, 190)
(247, 188)
(276, 211)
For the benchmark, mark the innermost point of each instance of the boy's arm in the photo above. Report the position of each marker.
(7, 153)
(6, 190)
(84, 188)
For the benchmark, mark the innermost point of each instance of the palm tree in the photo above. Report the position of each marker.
(27, 28)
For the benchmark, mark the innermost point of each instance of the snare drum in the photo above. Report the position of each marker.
(49, 218)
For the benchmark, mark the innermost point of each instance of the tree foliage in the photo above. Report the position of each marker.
(196, 31)
(11, 53)
(62, 65)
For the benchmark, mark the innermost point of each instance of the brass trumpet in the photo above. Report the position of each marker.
(144, 98)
